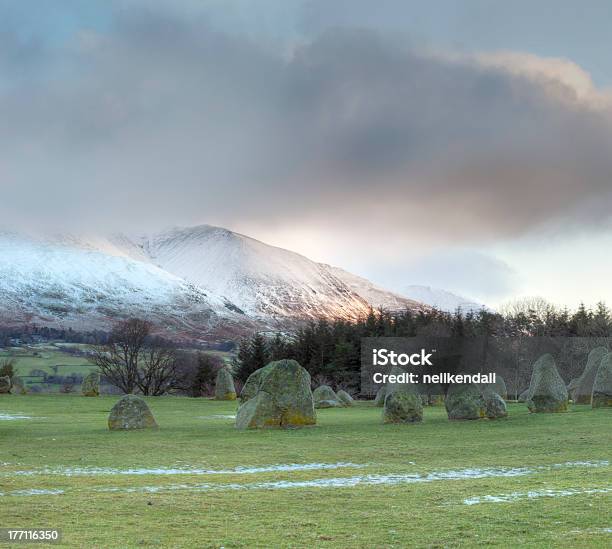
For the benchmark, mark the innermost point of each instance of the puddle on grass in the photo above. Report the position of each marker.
(592, 531)
(11, 417)
(533, 494)
(219, 416)
(341, 482)
(600, 463)
(163, 471)
(338, 482)
(33, 492)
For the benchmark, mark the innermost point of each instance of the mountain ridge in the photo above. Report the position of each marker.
(204, 279)
(442, 299)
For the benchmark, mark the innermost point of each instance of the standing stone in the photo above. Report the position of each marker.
(91, 385)
(464, 401)
(524, 395)
(495, 405)
(535, 370)
(251, 387)
(345, 398)
(277, 395)
(17, 386)
(131, 412)
(5, 385)
(325, 397)
(582, 393)
(224, 385)
(548, 392)
(402, 402)
(379, 400)
(602, 386)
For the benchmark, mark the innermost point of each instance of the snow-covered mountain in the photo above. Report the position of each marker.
(263, 281)
(203, 280)
(81, 283)
(375, 295)
(441, 299)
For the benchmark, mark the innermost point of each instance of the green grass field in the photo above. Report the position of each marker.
(52, 359)
(424, 508)
(45, 358)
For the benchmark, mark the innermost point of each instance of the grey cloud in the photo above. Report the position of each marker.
(477, 274)
(160, 119)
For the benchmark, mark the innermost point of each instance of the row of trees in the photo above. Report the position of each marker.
(331, 351)
(133, 359)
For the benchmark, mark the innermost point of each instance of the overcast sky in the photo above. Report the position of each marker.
(465, 145)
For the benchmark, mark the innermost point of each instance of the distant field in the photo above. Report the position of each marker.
(52, 359)
(47, 358)
(528, 481)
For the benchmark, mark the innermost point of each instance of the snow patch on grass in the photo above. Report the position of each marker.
(33, 492)
(533, 494)
(10, 417)
(391, 479)
(164, 471)
(341, 482)
(600, 463)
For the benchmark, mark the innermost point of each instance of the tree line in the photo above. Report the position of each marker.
(133, 359)
(331, 350)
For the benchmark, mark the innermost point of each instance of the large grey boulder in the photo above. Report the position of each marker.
(5, 385)
(325, 397)
(224, 385)
(403, 403)
(582, 393)
(464, 401)
(379, 399)
(495, 405)
(535, 369)
(91, 385)
(277, 395)
(547, 392)
(602, 386)
(131, 412)
(345, 398)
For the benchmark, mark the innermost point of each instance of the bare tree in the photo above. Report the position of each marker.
(133, 359)
(158, 369)
(7, 367)
(534, 306)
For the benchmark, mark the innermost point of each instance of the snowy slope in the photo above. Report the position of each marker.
(194, 280)
(441, 299)
(264, 281)
(80, 283)
(375, 295)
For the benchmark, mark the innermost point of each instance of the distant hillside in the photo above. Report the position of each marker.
(442, 299)
(204, 280)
